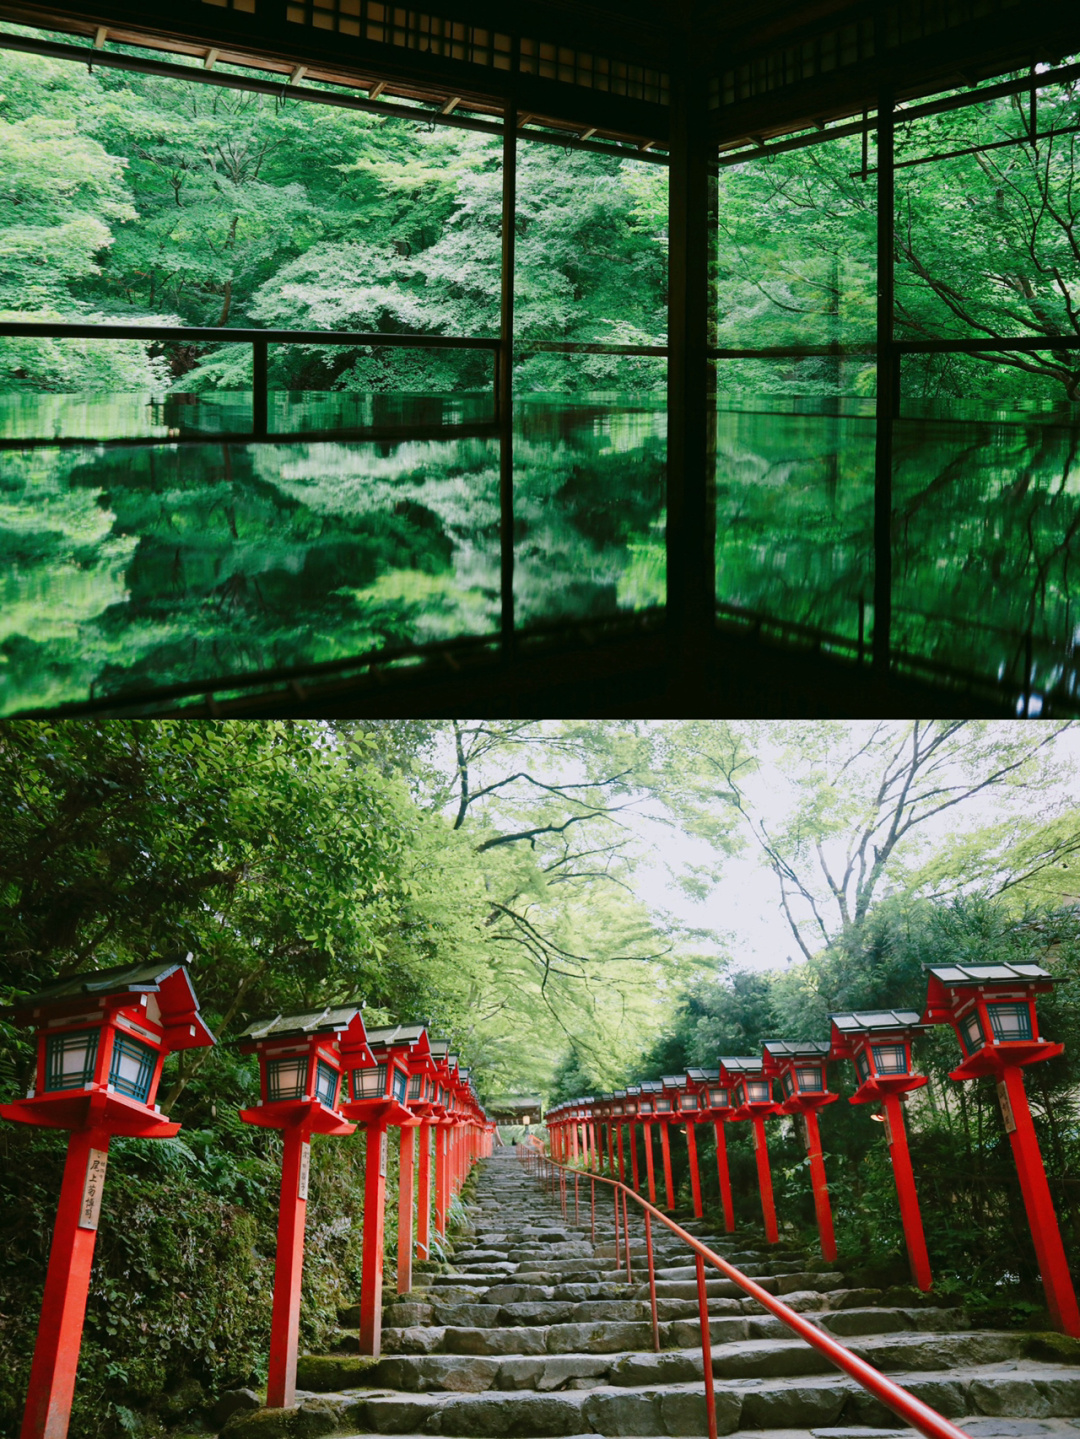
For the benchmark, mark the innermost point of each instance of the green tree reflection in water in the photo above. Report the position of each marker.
(127, 569)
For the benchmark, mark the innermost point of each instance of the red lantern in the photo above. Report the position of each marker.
(878, 1042)
(300, 1080)
(631, 1108)
(800, 1067)
(751, 1093)
(688, 1101)
(378, 1074)
(714, 1100)
(425, 1104)
(991, 1007)
(102, 1039)
(618, 1114)
(651, 1092)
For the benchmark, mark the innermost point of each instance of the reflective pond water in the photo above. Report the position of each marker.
(176, 558)
(161, 563)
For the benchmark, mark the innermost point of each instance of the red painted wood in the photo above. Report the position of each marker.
(665, 1151)
(423, 1194)
(610, 1149)
(764, 1173)
(405, 1212)
(619, 1150)
(910, 1215)
(822, 1207)
(288, 1275)
(371, 1273)
(634, 1159)
(695, 1177)
(706, 1346)
(63, 1307)
(649, 1167)
(724, 1176)
(1049, 1250)
(442, 1187)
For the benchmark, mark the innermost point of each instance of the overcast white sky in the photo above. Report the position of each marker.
(745, 905)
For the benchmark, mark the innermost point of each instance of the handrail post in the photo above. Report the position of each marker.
(577, 1200)
(615, 1196)
(592, 1183)
(626, 1238)
(706, 1346)
(259, 398)
(652, 1282)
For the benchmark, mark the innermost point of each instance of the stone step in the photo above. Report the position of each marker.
(678, 1408)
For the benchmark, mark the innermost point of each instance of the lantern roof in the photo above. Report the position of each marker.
(633, 1089)
(674, 1081)
(742, 1063)
(167, 980)
(797, 1048)
(955, 976)
(651, 1086)
(393, 1035)
(329, 1020)
(619, 1094)
(864, 1021)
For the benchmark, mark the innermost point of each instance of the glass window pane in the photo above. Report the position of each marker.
(132, 1067)
(757, 1091)
(326, 1083)
(811, 1080)
(890, 1058)
(862, 1064)
(400, 1084)
(70, 1059)
(369, 1083)
(718, 1098)
(973, 1031)
(286, 1078)
(1010, 1021)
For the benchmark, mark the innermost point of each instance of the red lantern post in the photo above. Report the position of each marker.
(618, 1111)
(651, 1090)
(300, 1073)
(667, 1108)
(800, 1067)
(991, 1007)
(101, 1041)
(751, 1090)
(378, 1090)
(714, 1104)
(631, 1107)
(878, 1042)
(422, 1099)
(689, 1103)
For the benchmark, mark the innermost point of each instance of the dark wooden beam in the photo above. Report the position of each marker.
(691, 520)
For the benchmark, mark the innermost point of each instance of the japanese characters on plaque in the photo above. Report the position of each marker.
(1006, 1107)
(383, 1142)
(92, 1189)
(305, 1171)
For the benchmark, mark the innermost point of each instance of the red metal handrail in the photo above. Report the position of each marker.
(913, 1411)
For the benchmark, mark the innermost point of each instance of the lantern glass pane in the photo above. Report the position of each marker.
(399, 1084)
(788, 1083)
(718, 1098)
(862, 1064)
(416, 1086)
(811, 1080)
(890, 1058)
(663, 1105)
(369, 1083)
(1010, 1021)
(646, 1106)
(757, 1090)
(688, 1101)
(286, 1078)
(325, 1083)
(70, 1059)
(973, 1031)
(132, 1067)
(618, 1109)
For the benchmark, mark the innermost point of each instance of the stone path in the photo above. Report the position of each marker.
(534, 1332)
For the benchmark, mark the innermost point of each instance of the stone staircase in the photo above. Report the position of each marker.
(535, 1331)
